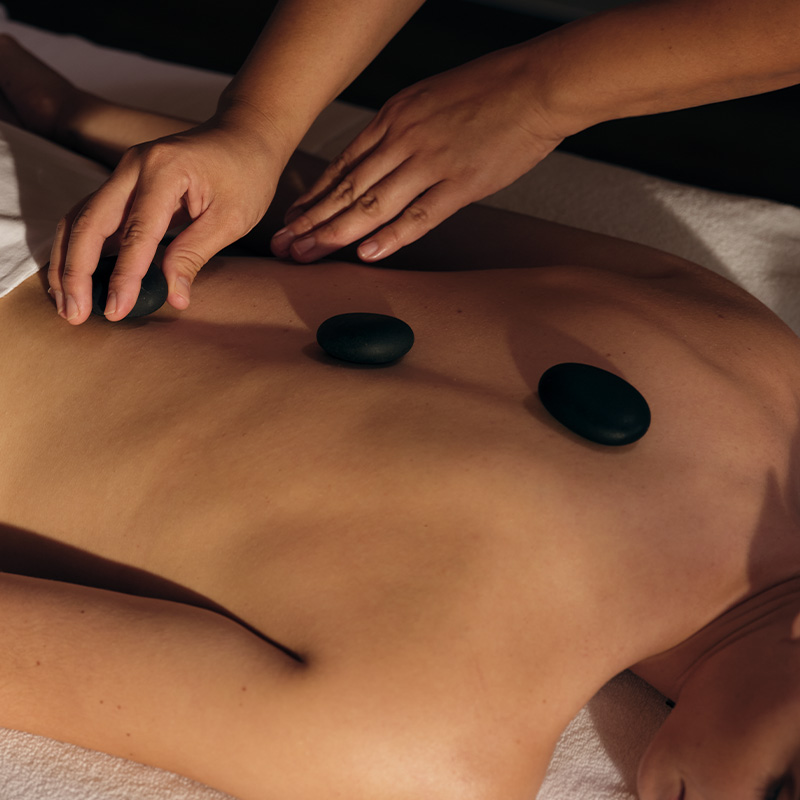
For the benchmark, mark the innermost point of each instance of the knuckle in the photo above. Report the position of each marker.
(336, 233)
(396, 109)
(188, 262)
(70, 273)
(344, 192)
(83, 222)
(393, 106)
(135, 232)
(152, 151)
(418, 216)
(341, 163)
(121, 274)
(332, 234)
(129, 157)
(370, 204)
(147, 156)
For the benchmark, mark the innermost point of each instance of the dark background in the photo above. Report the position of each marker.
(747, 146)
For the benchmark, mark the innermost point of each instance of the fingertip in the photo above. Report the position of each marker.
(368, 250)
(179, 295)
(178, 301)
(71, 309)
(305, 250)
(120, 303)
(281, 242)
(373, 250)
(111, 305)
(58, 298)
(74, 312)
(118, 306)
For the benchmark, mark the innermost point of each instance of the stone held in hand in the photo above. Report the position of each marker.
(594, 403)
(152, 295)
(365, 338)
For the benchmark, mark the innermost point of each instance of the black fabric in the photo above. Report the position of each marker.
(745, 146)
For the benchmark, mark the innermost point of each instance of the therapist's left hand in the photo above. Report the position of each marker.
(435, 147)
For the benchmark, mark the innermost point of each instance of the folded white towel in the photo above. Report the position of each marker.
(755, 243)
(40, 181)
(35, 768)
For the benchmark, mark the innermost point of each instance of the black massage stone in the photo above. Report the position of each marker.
(594, 403)
(152, 295)
(365, 338)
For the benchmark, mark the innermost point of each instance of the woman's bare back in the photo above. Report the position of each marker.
(223, 451)
(411, 513)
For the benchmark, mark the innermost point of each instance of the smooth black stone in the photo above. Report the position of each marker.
(594, 403)
(152, 295)
(363, 338)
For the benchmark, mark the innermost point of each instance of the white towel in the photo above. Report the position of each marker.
(40, 181)
(36, 768)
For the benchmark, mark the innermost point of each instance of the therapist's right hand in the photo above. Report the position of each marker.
(219, 176)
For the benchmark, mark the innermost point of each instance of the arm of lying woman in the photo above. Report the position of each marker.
(457, 137)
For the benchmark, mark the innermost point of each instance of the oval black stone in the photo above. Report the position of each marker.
(594, 403)
(363, 338)
(152, 295)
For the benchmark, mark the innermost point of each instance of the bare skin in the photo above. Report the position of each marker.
(406, 172)
(235, 558)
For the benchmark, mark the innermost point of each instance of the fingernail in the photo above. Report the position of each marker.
(302, 246)
(183, 289)
(72, 308)
(282, 239)
(111, 303)
(368, 249)
(59, 298)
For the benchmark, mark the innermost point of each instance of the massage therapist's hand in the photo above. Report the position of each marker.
(219, 176)
(435, 147)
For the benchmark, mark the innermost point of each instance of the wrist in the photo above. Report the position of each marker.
(565, 90)
(79, 121)
(271, 131)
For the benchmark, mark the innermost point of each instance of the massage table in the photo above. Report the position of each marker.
(754, 242)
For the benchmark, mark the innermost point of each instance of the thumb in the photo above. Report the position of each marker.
(188, 253)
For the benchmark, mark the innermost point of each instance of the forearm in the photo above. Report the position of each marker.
(661, 55)
(308, 53)
(104, 131)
